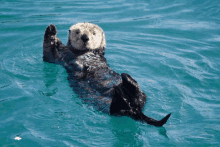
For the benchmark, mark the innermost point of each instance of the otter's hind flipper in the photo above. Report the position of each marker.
(136, 99)
(132, 91)
(118, 101)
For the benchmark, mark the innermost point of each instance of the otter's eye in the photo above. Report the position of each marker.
(93, 33)
(77, 32)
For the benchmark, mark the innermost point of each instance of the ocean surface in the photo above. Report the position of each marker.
(171, 48)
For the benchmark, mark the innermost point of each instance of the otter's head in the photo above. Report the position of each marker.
(86, 37)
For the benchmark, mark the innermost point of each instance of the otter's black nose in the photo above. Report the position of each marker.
(84, 38)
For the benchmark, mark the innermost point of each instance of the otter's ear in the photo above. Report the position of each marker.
(68, 42)
(103, 44)
(69, 33)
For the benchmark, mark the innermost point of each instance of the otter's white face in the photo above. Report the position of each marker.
(84, 36)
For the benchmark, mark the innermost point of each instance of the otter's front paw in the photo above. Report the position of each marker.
(50, 44)
(50, 32)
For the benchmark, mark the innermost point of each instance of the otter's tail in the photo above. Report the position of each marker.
(151, 121)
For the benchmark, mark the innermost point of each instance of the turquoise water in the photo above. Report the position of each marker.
(171, 48)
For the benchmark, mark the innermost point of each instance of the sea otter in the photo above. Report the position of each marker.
(91, 77)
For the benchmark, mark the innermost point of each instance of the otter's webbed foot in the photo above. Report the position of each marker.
(132, 91)
(137, 99)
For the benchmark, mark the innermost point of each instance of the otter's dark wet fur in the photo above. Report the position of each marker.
(94, 82)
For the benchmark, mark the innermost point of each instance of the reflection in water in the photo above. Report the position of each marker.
(129, 132)
(126, 131)
(50, 74)
(163, 131)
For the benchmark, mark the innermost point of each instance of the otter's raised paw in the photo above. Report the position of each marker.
(50, 32)
(50, 44)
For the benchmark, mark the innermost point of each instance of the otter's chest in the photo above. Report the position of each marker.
(94, 69)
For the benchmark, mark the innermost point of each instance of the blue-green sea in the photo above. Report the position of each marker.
(171, 48)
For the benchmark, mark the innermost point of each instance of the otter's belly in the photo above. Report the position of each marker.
(94, 82)
(104, 79)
